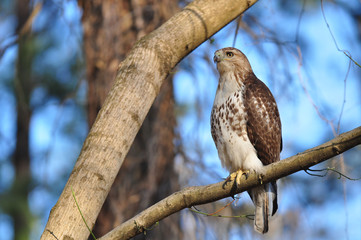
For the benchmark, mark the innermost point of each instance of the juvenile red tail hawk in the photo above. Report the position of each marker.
(246, 128)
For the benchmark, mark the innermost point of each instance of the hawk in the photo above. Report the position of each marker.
(246, 128)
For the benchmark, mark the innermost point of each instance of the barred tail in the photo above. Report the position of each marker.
(262, 196)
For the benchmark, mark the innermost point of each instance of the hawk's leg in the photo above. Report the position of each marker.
(237, 176)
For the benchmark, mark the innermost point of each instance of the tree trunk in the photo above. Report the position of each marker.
(21, 186)
(147, 174)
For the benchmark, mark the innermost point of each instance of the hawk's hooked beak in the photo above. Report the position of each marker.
(217, 57)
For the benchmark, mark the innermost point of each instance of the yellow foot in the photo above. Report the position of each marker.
(230, 178)
(239, 174)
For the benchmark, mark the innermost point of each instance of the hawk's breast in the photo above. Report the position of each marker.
(229, 132)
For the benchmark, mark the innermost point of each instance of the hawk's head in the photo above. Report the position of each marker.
(231, 60)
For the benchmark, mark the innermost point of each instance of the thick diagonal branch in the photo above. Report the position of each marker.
(192, 196)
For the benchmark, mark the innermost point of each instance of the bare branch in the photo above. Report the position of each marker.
(192, 196)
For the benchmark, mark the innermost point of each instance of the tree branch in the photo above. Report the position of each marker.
(192, 196)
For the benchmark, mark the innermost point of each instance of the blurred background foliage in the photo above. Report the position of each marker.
(50, 57)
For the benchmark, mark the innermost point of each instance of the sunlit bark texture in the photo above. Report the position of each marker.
(147, 175)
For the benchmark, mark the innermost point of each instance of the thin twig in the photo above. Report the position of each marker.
(195, 210)
(326, 170)
(346, 52)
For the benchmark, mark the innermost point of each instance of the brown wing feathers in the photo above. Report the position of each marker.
(263, 125)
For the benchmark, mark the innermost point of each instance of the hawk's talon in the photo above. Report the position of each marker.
(230, 178)
(238, 176)
(246, 174)
(260, 178)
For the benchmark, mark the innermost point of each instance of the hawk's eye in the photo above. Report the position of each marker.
(229, 54)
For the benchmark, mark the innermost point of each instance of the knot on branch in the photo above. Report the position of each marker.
(139, 227)
(144, 229)
(336, 149)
